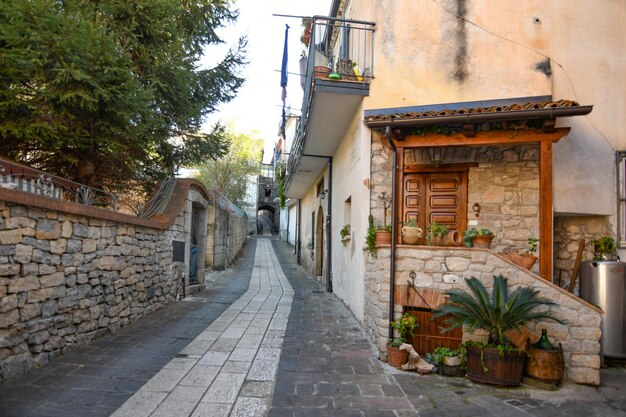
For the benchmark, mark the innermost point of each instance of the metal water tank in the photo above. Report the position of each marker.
(603, 283)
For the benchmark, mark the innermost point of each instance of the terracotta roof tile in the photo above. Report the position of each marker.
(462, 111)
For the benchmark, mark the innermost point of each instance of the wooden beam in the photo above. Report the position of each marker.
(545, 210)
(492, 137)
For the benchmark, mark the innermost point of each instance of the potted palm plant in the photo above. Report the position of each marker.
(496, 362)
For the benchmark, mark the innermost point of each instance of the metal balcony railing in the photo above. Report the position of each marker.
(339, 50)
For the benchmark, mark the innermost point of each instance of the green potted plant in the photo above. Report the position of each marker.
(435, 234)
(478, 238)
(383, 233)
(404, 327)
(604, 249)
(345, 234)
(411, 232)
(527, 258)
(497, 361)
(448, 361)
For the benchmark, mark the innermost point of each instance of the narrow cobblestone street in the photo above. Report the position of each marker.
(266, 339)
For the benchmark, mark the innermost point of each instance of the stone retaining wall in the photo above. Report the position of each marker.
(70, 273)
(444, 269)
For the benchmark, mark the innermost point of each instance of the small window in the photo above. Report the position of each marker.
(320, 187)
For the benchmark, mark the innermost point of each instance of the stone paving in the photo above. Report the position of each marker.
(280, 346)
(231, 366)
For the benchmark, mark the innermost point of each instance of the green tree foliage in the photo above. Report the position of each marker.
(108, 91)
(229, 175)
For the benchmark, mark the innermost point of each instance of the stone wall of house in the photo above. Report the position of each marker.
(446, 269)
(506, 186)
(567, 232)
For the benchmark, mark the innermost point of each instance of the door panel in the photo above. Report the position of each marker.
(435, 197)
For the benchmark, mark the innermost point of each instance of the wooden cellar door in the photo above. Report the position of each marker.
(435, 197)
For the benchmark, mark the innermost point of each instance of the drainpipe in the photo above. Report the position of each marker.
(329, 194)
(298, 242)
(394, 229)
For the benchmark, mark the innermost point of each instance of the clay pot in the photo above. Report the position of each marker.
(411, 235)
(321, 71)
(524, 260)
(435, 241)
(396, 357)
(482, 241)
(382, 237)
(453, 238)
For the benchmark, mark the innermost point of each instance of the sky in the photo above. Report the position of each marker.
(258, 106)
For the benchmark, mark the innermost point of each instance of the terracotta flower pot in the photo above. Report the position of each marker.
(435, 241)
(321, 71)
(382, 237)
(524, 260)
(482, 241)
(396, 357)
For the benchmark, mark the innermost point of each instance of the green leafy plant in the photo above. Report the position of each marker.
(404, 326)
(435, 230)
(345, 231)
(533, 242)
(370, 237)
(310, 246)
(497, 313)
(410, 223)
(471, 233)
(441, 352)
(383, 228)
(605, 246)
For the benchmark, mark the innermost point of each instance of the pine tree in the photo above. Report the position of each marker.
(106, 92)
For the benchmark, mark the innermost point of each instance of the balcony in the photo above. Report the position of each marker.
(339, 69)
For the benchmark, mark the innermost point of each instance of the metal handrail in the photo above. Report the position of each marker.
(28, 179)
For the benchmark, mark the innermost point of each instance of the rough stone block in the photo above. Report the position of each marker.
(587, 376)
(16, 365)
(52, 280)
(23, 284)
(36, 296)
(47, 229)
(9, 269)
(9, 318)
(89, 245)
(11, 237)
(8, 303)
(58, 246)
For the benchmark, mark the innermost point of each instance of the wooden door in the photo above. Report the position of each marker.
(435, 197)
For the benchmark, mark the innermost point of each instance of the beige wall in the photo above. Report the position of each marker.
(420, 59)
